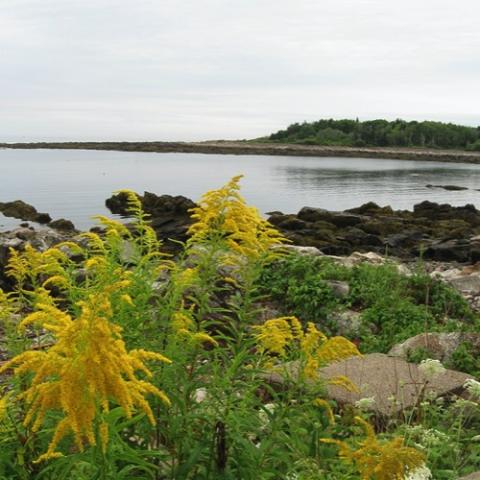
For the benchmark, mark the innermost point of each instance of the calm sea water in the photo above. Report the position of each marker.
(74, 184)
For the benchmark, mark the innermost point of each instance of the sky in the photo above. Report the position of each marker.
(233, 69)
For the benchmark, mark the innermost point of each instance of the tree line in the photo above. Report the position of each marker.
(381, 133)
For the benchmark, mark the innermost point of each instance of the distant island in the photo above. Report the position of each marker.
(380, 133)
(430, 141)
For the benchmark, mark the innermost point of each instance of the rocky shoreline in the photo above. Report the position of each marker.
(259, 148)
(432, 231)
(444, 236)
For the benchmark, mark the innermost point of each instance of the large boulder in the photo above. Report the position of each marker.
(393, 383)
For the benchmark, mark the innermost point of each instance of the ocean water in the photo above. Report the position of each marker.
(74, 184)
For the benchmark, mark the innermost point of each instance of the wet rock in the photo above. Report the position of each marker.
(371, 208)
(23, 211)
(456, 250)
(433, 231)
(394, 383)
(311, 214)
(63, 225)
(439, 346)
(169, 215)
(435, 211)
(356, 237)
(292, 223)
(343, 220)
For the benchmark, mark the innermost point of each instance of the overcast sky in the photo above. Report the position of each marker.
(206, 69)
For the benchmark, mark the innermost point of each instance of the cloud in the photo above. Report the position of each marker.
(186, 69)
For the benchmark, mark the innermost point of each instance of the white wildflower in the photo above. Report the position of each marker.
(431, 368)
(473, 387)
(421, 473)
(462, 403)
(265, 414)
(200, 395)
(365, 404)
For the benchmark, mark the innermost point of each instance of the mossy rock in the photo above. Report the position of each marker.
(383, 227)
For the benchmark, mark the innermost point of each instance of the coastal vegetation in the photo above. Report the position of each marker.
(125, 362)
(381, 133)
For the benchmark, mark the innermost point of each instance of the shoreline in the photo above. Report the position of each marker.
(249, 148)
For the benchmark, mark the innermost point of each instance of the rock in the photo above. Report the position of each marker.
(357, 237)
(457, 250)
(358, 257)
(309, 251)
(63, 225)
(311, 214)
(371, 208)
(292, 223)
(433, 231)
(435, 211)
(267, 310)
(23, 211)
(387, 378)
(439, 346)
(452, 188)
(25, 233)
(472, 476)
(345, 220)
(348, 322)
(16, 239)
(340, 289)
(466, 283)
(170, 215)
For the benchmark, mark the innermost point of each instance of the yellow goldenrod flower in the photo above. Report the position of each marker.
(94, 242)
(83, 372)
(276, 334)
(4, 405)
(96, 261)
(223, 214)
(344, 382)
(183, 326)
(320, 402)
(390, 460)
(113, 226)
(314, 348)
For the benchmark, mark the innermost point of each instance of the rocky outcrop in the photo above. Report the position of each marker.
(23, 211)
(169, 215)
(433, 231)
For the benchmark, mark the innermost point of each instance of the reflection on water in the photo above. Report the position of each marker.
(74, 184)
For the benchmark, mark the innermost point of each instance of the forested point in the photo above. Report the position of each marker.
(381, 133)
